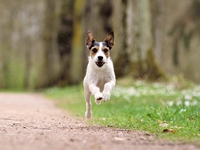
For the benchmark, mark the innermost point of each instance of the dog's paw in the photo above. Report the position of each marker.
(106, 96)
(88, 114)
(98, 98)
(98, 102)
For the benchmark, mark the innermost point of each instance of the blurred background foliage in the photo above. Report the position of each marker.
(42, 41)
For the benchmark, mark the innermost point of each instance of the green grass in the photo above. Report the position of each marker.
(167, 110)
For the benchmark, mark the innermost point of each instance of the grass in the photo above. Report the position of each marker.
(168, 110)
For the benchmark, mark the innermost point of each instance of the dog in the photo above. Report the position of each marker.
(100, 77)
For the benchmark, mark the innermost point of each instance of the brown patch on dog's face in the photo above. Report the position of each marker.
(106, 51)
(94, 50)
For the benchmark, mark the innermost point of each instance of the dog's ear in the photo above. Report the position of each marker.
(89, 39)
(110, 39)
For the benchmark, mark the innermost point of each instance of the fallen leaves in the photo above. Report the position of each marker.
(164, 125)
(169, 130)
(172, 129)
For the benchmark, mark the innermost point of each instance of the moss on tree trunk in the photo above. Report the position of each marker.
(148, 68)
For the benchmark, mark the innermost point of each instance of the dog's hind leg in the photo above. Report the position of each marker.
(88, 113)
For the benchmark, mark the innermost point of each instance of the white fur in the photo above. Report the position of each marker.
(98, 81)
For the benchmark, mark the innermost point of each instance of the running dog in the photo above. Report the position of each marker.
(100, 77)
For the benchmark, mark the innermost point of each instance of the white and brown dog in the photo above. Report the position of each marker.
(100, 77)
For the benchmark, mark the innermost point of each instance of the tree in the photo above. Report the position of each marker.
(137, 55)
(65, 40)
(76, 65)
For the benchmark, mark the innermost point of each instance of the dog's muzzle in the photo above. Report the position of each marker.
(100, 63)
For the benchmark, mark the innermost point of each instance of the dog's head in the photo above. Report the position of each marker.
(99, 51)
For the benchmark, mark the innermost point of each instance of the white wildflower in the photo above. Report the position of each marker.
(170, 103)
(195, 102)
(188, 97)
(187, 103)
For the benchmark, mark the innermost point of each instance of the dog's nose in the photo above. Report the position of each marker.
(100, 57)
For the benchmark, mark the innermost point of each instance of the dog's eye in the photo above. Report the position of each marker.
(105, 50)
(94, 50)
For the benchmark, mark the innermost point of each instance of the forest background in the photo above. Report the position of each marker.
(42, 41)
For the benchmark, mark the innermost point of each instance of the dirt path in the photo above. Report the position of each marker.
(31, 122)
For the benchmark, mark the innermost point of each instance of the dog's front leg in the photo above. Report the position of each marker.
(96, 92)
(107, 89)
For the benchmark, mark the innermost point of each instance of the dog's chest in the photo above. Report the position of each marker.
(101, 82)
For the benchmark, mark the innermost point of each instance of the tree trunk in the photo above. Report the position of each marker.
(76, 73)
(122, 62)
(144, 62)
(157, 7)
(51, 54)
(137, 53)
(65, 40)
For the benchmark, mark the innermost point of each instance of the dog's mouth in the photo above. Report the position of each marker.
(100, 63)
